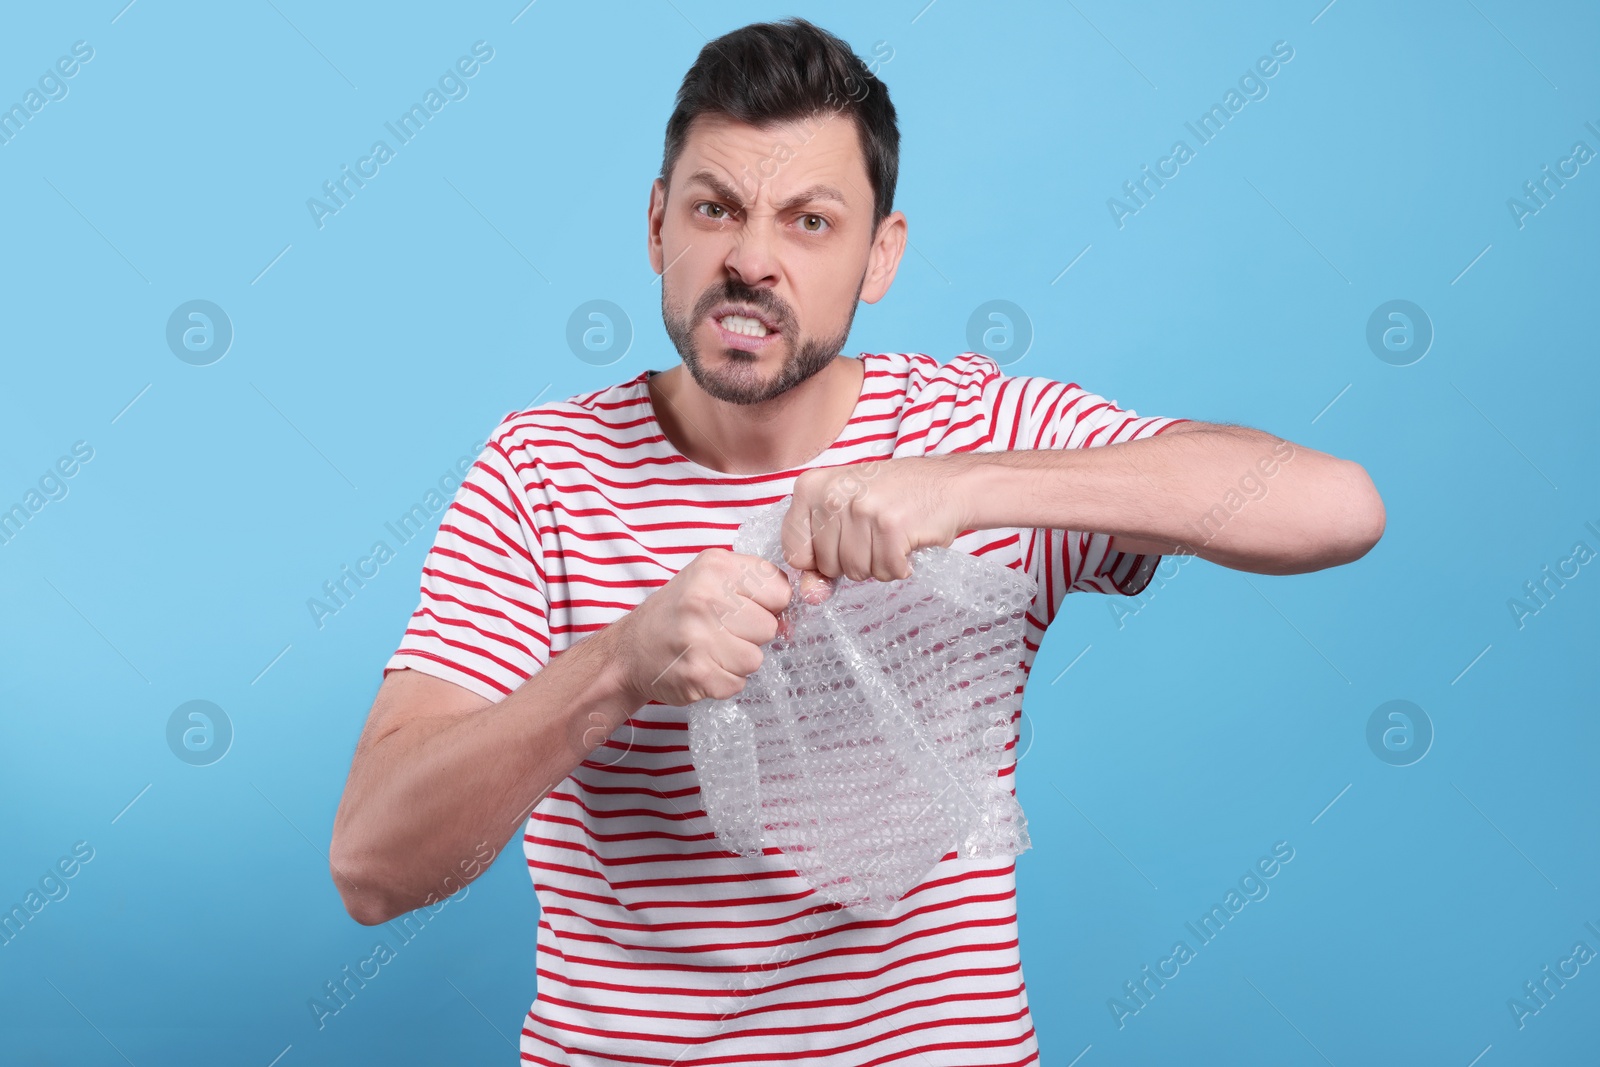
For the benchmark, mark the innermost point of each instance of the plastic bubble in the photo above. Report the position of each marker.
(863, 748)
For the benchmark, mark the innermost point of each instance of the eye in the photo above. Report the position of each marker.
(813, 223)
(712, 210)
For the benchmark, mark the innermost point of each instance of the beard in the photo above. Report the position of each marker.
(737, 382)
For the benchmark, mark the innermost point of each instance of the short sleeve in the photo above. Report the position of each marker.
(482, 621)
(1046, 414)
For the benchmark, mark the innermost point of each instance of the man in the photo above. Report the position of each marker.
(581, 592)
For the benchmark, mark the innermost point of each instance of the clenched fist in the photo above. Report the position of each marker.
(863, 520)
(699, 636)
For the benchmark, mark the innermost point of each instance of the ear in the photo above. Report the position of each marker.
(654, 213)
(883, 259)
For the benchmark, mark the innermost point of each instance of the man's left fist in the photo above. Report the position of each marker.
(864, 520)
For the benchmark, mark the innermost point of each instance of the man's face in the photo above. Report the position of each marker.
(766, 245)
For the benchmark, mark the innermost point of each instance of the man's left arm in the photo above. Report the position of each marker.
(1238, 497)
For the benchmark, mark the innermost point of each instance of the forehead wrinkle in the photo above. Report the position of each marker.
(721, 149)
(812, 195)
(721, 188)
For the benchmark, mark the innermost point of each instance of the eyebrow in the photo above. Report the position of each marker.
(726, 192)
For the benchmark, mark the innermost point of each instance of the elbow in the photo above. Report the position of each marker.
(1343, 524)
(1361, 517)
(367, 909)
(363, 895)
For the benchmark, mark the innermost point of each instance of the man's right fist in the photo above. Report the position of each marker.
(699, 636)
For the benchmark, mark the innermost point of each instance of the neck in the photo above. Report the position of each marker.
(779, 434)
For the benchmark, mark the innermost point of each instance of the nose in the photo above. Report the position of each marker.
(753, 257)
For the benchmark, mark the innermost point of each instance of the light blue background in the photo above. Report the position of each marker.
(1223, 717)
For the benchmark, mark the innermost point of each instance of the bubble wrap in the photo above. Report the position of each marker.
(868, 743)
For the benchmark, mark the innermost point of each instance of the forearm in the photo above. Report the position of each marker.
(1235, 496)
(429, 804)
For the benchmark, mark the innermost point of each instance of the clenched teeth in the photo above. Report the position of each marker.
(742, 325)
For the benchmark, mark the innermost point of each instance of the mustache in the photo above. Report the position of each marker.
(763, 300)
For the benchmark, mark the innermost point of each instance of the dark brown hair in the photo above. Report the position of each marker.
(772, 72)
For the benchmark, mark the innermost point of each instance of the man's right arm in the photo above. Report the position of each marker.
(441, 778)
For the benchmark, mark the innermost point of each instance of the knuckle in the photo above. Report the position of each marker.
(710, 597)
(714, 561)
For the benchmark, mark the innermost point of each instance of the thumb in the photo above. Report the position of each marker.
(815, 587)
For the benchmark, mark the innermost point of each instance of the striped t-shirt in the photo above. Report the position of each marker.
(655, 945)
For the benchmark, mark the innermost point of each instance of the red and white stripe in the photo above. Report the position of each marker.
(656, 946)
